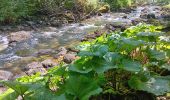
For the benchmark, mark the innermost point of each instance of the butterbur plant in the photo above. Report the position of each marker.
(119, 63)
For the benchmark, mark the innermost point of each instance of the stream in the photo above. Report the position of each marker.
(16, 55)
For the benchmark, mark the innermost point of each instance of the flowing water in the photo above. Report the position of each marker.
(14, 57)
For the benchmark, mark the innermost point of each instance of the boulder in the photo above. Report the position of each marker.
(151, 15)
(68, 58)
(5, 75)
(49, 63)
(19, 36)
(2, 90)
(73, 50)
(55, 23)
(61, 52)
(104, 9)
(35, 67)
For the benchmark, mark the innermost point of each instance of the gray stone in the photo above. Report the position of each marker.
(49, 63)
(2, 90)
(19, 36)
(68, 58)
(151, 15)
(62, 52)
(35, 67)
(5, 75)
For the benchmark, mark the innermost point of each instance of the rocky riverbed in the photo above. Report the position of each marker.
(25, 52)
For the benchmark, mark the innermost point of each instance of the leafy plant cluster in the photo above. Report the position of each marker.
(10, 10)
(13, 10)
(116, 4)
(118, 63)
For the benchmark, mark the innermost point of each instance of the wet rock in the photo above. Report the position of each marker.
(91, 36)
(145, 10)
(55, 23)
(19, 75)
(62, 52)
(68, 58)
(122, 27)
(45, 52)
(5, 75)
(2, 90)
(19, 36)
(110, 27)
(81, 24)
(83, 39)
(99, 14)
(157, 8)
(151, 16)
(73, 50)
(12, 44)
(97, 33)
(49, 63)
(35, 67)
(137, 21)
(125, 17)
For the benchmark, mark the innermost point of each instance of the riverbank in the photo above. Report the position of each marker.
(22, 47)
(26, 52)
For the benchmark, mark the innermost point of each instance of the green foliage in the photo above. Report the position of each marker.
(82, 87)
(116, 63)
(116, 4)
(156, 85)
(11, 10)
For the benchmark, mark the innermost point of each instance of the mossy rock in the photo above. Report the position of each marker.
(104, 9)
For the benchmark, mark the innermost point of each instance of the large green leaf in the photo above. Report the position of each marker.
(82, 87)
(131, 65)
(100, 65)
(96, 64)
(18, 87)
(96, 50)
(132, 42)
(166, 66)
(129, 44)
(113, 58)
(43, 94)
(150, 34)
(158, 55)
(81, 66)
(156, 85)
(10, 94)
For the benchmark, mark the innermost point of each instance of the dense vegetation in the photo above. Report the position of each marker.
(13, 10)
(118, 63)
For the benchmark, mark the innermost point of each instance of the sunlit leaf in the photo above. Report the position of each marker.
(82, 87)
(166, 66)
(96, 50)
(130, 65)
(156, 85)
(157, 54)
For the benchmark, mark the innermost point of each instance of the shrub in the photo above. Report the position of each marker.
(116, 4)
(11, 10)
(87, 5)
